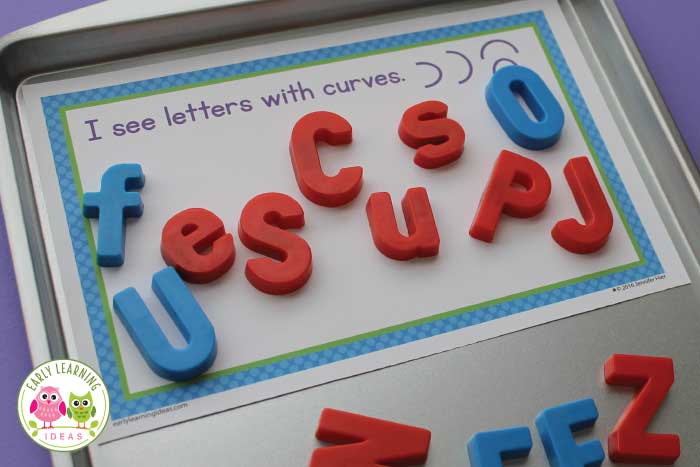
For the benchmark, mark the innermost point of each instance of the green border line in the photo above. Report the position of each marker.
(105, 301)
(590, 146)
(91, 242)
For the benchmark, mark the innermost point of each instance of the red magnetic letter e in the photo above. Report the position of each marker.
(368, 442)
(196, 244)
(629, 442)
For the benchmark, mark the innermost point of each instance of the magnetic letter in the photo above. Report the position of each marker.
(423, 238)
(261, 229)
(178, 364)
(439, 140)
(629, 442)
(490, 448)
(598, 221)
(368, 442)
(196, 244)
(501, 96)
(318, 187)
(112, 205)
(500, 196)
(555, 426)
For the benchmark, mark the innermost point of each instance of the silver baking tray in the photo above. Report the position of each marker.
(546, 365)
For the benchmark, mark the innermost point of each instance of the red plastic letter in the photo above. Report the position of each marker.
(423, 238)
(439, 140)
(313, 183)
(591, 236)
(261, 229)
(196, 244)
(629, 442)
(501, 197)
(368, 442)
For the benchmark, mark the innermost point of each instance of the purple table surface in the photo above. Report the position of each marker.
(15, 363)
(666, 34)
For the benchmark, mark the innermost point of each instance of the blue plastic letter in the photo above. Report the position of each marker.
(112, 205)
(501, 96)
(556, 425)
(490, 448)
(176, 364)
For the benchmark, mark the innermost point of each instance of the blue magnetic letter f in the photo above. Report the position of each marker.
(112, 205)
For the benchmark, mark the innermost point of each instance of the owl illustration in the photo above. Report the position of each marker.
(48, 405)
(80, 408)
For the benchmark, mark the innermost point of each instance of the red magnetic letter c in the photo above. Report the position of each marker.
(318, 187)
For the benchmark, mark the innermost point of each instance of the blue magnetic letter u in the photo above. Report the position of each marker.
(501, 96)
(112, 205)
(172, 363)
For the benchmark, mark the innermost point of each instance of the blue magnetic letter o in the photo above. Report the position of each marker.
(501, 96)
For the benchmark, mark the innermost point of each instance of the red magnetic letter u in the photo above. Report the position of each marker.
(423, 238)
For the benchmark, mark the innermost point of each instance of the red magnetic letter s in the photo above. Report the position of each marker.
(439, 140)
(261, 229)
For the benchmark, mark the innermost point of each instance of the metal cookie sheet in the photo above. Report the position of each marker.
(497, 383)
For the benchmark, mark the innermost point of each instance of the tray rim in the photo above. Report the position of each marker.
(25, 269)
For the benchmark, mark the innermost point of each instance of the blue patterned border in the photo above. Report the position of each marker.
(125, 403)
